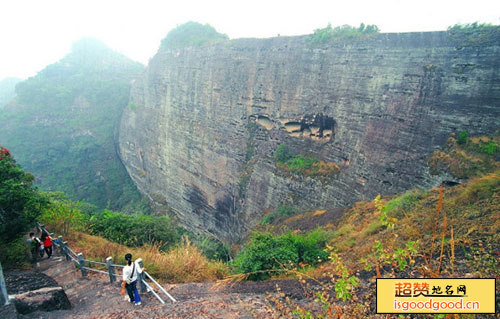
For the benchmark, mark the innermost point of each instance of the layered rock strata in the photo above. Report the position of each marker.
(206, 121)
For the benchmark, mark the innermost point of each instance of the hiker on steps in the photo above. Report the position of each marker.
(47, 244)
(130, 273)
(34, 244)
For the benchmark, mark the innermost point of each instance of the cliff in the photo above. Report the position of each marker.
(203, 123)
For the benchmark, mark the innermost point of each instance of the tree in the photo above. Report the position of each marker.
(342, 33)
(192, 34)
(474, 35)
(462, 137)
(20, 202)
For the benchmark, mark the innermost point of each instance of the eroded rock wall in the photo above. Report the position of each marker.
(206, 121)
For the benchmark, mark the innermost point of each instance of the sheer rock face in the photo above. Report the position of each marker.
(206, 121)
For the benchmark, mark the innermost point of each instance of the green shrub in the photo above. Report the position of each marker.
(282, 154)
(212, 248)
(474, 34)
(63, 215)
(265, 253)
(20, 202)
(345, 32)
(14, 254)
(280, 211)
(490, 148)
(373, 228)
(134, 230)
(302, 164)
(311, 246)
(407, 201)
(483, 188)
(462, 137)
(192, 34)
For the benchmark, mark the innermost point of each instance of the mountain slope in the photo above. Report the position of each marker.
(7, 90)
(61, 125)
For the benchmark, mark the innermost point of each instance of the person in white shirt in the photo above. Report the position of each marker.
(130, 274)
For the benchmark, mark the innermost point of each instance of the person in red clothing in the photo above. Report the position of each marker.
(47, 244)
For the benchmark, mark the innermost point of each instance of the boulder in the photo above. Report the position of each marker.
(8, 312)
(24, 281)
(32, 291)
(44, 299)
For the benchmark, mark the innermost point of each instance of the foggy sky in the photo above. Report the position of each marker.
(37, 33)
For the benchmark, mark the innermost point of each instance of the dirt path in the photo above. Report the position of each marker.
(95, 297)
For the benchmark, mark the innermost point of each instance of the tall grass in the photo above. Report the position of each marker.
(182, 263)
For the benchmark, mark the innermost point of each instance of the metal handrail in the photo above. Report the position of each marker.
(43, 229)
(74, 259)
(154, 293)
(159, 286)
(71, 251)
(95, 262)
(96, 270)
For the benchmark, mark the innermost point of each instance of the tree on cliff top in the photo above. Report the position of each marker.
(192, 34)
(474, 35)
(344, 32)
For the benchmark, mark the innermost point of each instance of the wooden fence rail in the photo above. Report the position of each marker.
(84, 264)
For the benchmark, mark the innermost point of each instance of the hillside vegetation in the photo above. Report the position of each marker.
(192, 34)
(156, 239)
(20, 206)
(61, 126)
(342, 33)
(440, 232)
(474, 35)
(7, 90)
(465, 157)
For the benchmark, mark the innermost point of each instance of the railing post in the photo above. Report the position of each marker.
(111, 269)
(4, 297)
(42, 227)
(60, 241)
(140, 276)
(65, 250)
(82, 264)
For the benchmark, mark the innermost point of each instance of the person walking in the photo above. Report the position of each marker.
(129, 283)
(47, 245)
(33, 244)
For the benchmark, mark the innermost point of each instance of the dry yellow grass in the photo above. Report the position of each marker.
(472, 209)
(293, 219)
(319, 212)
(479, 140)
(183, 263)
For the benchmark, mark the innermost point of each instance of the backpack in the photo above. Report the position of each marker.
(36, 243)
(33, 244)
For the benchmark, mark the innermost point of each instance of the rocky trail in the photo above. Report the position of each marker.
(95, 297)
